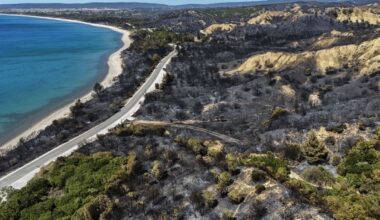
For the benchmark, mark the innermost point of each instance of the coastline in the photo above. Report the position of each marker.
(115, 68)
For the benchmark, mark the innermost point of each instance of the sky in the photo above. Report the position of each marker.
(169, 2)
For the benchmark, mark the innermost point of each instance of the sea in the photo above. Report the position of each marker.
(45, 65)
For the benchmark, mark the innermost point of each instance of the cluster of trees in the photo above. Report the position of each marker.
(69, 189)
(272, 165)
(313, 150)
(319, 176)
(238, 13)
(138, 130)
(355, 194)
(158, 39)
(231, 163)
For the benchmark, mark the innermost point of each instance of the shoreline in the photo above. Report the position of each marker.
(115, 68)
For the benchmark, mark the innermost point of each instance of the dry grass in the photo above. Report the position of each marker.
(218, 27)
(267, 17)
(358, 15)
(365, 56)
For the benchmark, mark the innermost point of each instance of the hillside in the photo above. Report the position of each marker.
(267, 112)
(134, 5)
(268, 16)
(218, 27)
(364, 58)
(359, 15)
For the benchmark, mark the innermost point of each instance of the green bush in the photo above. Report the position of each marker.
(258, 175)
(304, 189)
(377, 133)
(228, 215)
(335, 161)
(232, 162)
(157, 39)
(98, 208)
(138, 130)
(235, 195)
(279, 112)
(292, 152)
(209, 199)
(314, 150)
(269, 163)
(116, 105)
(196, 145)
(215, 149)
(361, 159)
(157, 169)
(330, 140)
(259, 188)
(77, 109)
(337, 129)
(131, 163)
(224, 179)
(319, 176)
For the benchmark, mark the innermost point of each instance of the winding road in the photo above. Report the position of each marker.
(19, 177)
(220, 136)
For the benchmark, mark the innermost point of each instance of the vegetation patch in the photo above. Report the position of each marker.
(224, 179)
(274, 166)
(292, 151)
(78, 184)
(319, 176)
(158, 39)
(228, 215)
(337, 129)
(336, 160)
(279, 112)
(209, 198)
(232, 162)
(214, 148)
(260, 188)
(258, 175)
(157, 169)
(356, 192)
(138, 130)
(314, 150)
(236, 195)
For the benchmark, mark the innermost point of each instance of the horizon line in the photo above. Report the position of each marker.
(134, 2)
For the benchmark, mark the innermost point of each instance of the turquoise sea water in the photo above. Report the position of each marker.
(45, 64)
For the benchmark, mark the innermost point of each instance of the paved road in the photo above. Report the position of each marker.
(20, 176)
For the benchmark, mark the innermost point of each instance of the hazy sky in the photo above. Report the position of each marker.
(169, 2)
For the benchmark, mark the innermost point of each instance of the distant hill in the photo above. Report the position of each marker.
(136, 5)
(114, 5)
(247, 3)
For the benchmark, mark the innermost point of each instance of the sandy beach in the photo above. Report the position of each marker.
(115, 68)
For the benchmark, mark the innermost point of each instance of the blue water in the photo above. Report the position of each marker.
(45, 64)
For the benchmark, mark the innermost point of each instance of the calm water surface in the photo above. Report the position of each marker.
(45, 64)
